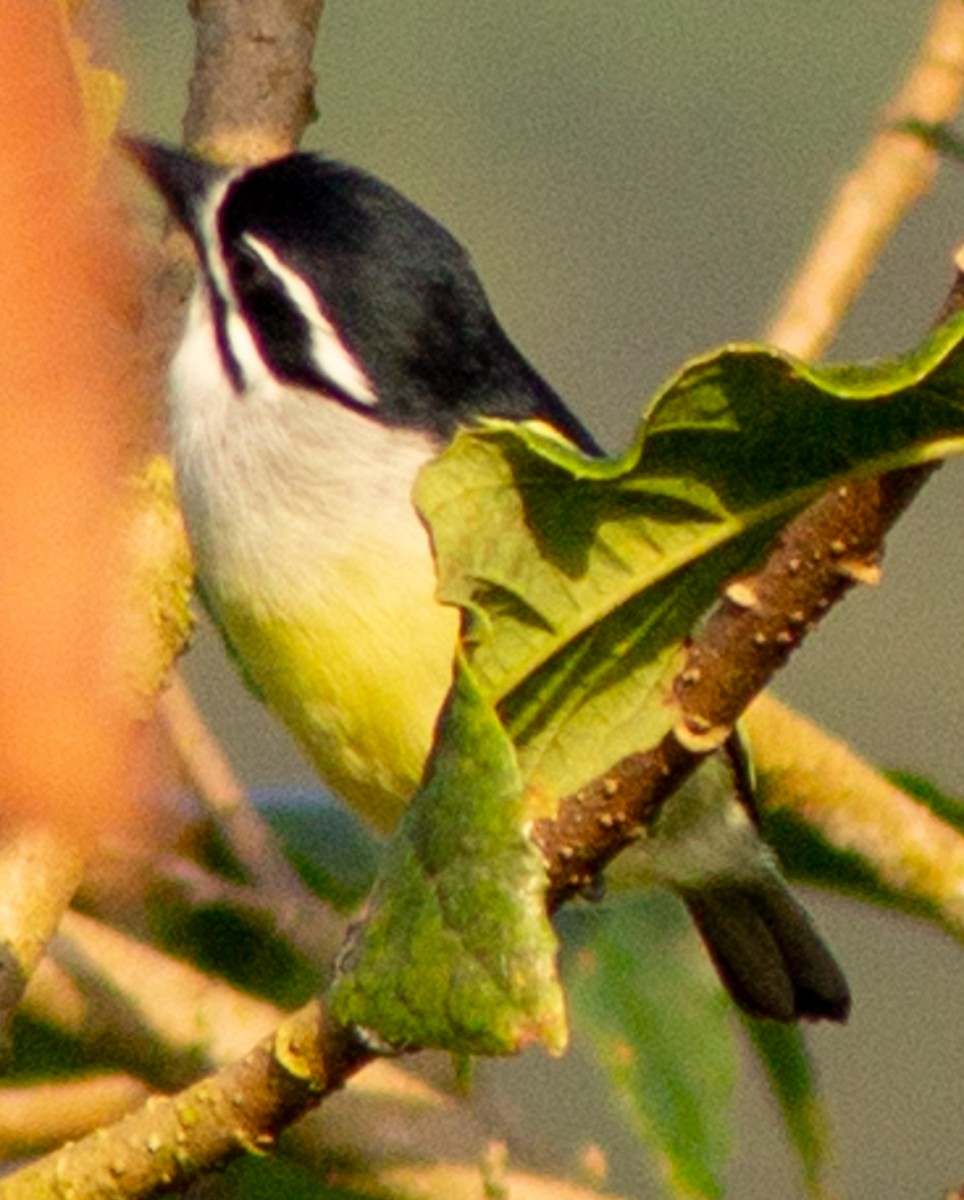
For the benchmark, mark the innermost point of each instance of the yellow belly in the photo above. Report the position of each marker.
(358, 678)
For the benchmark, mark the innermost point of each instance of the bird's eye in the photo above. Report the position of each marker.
(249, 275)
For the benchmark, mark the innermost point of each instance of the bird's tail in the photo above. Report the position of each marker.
(766, 949)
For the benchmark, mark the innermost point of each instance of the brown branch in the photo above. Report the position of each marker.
(171, 1140)
(165, 1021)
(824, 552)
(251, 94)
(364, 1125)
(251, 98)
(896, 171)
(820, 556)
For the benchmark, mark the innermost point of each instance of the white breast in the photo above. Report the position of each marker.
(314, 562)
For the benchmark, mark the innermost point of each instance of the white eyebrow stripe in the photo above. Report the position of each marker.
(335, 360)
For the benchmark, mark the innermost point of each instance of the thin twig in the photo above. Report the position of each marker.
(295, 910)
(208, 770)
(896, 171)
(40, 871)
(823, 781)
(35, 1117)
(820, 556)
(213, 1023)
(163, 1004)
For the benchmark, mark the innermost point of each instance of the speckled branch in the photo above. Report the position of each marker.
(832, 546)
(170, 1140)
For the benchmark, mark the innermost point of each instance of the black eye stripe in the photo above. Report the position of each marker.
(281, 330)
(271, 276)
(278, 326)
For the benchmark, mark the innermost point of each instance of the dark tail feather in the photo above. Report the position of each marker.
(767, 951)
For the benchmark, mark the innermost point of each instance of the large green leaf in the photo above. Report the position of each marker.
(658, 1024)
(255, 1178)
(582, 578)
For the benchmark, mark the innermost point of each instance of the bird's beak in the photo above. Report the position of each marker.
(183, 179)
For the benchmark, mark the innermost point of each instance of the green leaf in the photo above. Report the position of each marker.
(255, 1178)
(333, 852)
(581, 579)
(949, 809)
(457, 951)
(937, 135)
(37, 1052)
(809, 857)
(783, 1054)
(658, 1024)
(241, 947)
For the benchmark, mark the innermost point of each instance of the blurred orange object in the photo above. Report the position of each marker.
(66, 734)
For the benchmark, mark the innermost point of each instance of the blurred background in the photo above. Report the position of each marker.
(637, 182)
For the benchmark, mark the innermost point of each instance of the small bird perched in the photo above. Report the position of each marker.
(337, 339)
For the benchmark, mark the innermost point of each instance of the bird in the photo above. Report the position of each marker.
(336, 340)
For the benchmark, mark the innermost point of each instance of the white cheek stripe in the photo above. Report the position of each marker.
(241, 345)
(254, 370)
(335, 360)
(208, 228)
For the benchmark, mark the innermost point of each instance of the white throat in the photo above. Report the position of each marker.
(281, 474)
